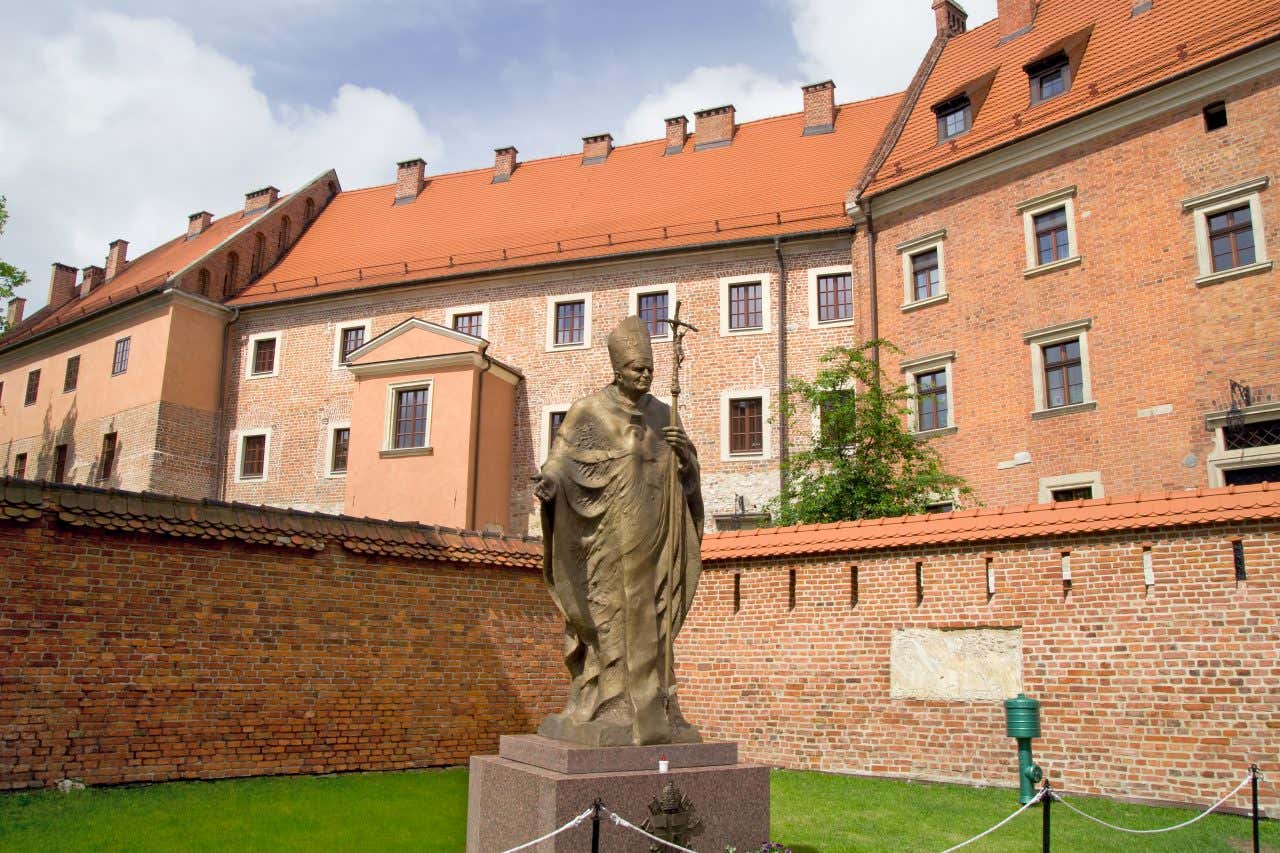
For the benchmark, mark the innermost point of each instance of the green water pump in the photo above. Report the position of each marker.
(1022, 721)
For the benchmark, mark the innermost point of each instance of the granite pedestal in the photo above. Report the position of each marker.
(535, 784)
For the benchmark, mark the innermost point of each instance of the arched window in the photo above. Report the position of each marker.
(204, 282)
(311, 209)
(284, 236)
(258, 261)
(229, 280)
(333, 189)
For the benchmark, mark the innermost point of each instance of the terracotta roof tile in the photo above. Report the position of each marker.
(1125, 54)
(771, 180)
(109, 509)
(1138, 512)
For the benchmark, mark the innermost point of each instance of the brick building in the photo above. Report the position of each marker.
(1040, 222)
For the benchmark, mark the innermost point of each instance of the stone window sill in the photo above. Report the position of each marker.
(1234, 272)
(933, 433)
(1064, 410)
(1044, 269)
(925, 303)
(405, 451)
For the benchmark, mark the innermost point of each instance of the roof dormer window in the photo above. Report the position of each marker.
(1049, 77)
(954, 117)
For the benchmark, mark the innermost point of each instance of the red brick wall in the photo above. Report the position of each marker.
(1167, 693)
(128, 658)
(1157, 339)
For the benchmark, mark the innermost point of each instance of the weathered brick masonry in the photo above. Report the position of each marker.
(144, 638)
(1166, 692)
(147, 639)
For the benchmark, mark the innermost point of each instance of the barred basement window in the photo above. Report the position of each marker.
(72, 375)
(107, 459)
(60, 463)
(1258, 434)
(1074, 493)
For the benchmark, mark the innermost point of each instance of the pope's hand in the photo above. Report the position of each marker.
(680, 443)
(544, 487)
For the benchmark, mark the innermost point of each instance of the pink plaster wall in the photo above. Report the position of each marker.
(497, 435)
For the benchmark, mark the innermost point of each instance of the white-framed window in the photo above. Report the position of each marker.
(830, 297)
(262, 355)
(1246, 452)
(1049, 228)
(568, 322)
(924, 280)
(552, 416)
(1230, 237)
(469, 319)
(653, 304)
(744, 424)
(253, 455)
(1083, 486)
(408, 421)
(744, 304)
(932, 394)
(349, 337)
(1060, 375)
(337, 449)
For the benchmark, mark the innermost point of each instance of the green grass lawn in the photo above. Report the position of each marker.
(427, 810)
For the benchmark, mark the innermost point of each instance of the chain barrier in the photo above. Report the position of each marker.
(1247, 779)
(577, 821)
(619, 820)
(1039, 796)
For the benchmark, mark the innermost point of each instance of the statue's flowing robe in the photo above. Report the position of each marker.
(625, 518)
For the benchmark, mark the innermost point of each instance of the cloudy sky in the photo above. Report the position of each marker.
(119, 120)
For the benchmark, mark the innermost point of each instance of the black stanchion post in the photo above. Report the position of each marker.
(1253, 774)
(595, 825)
(1046, 799)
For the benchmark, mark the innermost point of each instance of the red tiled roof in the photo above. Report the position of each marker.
(148, 271)
(1124, 55)
(771, 180)
(1105, 515)
(132, 512)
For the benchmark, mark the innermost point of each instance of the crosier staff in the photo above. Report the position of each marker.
(675, 524)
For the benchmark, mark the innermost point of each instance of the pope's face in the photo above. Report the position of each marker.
(635, 378)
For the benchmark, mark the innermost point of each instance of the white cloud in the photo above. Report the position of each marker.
(115, 103)
(868, 47)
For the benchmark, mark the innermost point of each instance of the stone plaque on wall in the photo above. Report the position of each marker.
(958, 664)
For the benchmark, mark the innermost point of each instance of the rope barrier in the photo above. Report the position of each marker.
(1039, 795)
(619, 820)
(577, 821)
(1247, 779)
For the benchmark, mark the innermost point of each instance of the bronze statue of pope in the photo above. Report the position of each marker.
(622, 525)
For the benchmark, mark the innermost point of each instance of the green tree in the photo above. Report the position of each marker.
(11, 278)
(862, 461)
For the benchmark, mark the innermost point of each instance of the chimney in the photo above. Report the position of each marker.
(16, 306)
(91, 279)
(1016, 17)
(116, 253)
(62, 285)
(713, 128)
(677, 133)
(950, 17)
(409, 175)
(504, 163)
(197, 222)
(819, 107)
(596, 148)
(259, 199)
